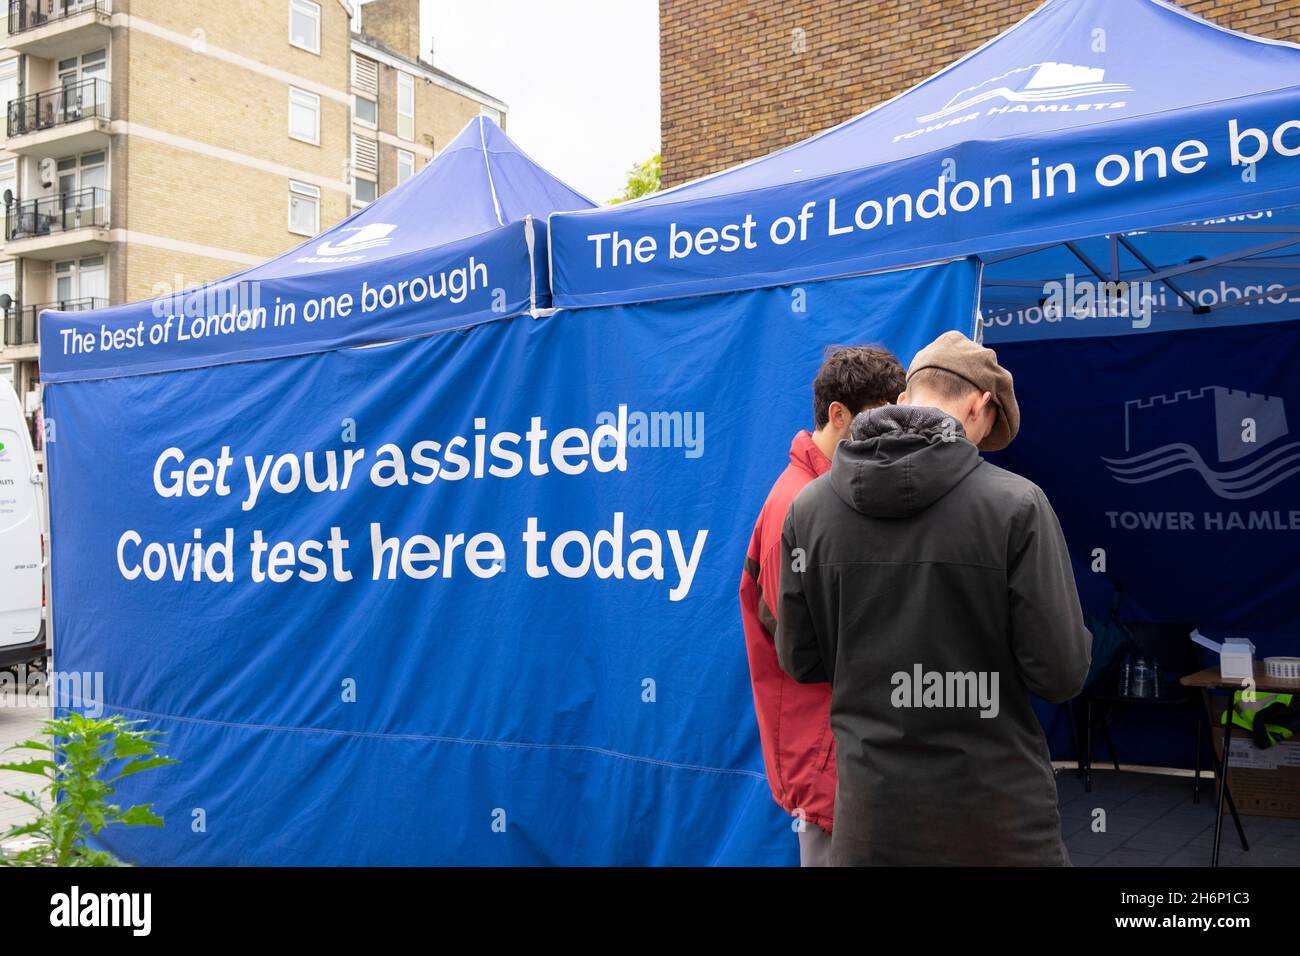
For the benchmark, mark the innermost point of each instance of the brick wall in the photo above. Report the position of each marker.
(741, 78)
(395, 24)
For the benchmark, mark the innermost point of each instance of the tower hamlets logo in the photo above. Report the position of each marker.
(1034, 85)
(1241, 432)
(362, 239)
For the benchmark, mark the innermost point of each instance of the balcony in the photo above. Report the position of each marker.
(57, 227)
(70, 119)
(51, 29)
(22, 323)
(20, 327)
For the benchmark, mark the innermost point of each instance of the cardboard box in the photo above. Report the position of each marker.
(1264, 783)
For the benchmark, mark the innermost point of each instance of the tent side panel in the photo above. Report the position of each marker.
(493, 619)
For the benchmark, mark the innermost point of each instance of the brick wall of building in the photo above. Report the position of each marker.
(741, 78)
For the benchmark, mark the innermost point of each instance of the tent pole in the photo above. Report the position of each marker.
(1083, 257)
(1196, 308)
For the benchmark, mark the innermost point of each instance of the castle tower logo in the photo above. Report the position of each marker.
(1243, 434)
(1036, 84)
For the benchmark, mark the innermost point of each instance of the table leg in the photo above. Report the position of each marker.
(1087, 750)
(1220, 775)
(1223, 790)
(1196, 779)
(1110, 741)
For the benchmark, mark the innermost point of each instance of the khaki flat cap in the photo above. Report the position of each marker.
(955, 353)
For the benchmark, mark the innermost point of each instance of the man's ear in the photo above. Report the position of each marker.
(902, 398)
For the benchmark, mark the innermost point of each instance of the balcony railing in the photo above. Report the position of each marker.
(57, 107)
(52, 214)
(21, 322)
(30, 14)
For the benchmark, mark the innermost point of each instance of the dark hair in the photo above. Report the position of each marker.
(858, 377)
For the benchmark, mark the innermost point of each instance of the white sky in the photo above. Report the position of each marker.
(581, 78)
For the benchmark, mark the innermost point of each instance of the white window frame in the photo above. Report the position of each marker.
(409, 157)
(307, 191)
(308, 8)
(74, 270)
(356, 200)
(409, 81)
(304, 97)
(356, 115)
(8, 171)
(8, 73)
(9, 282)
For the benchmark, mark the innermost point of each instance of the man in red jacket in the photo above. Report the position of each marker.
(794, 718)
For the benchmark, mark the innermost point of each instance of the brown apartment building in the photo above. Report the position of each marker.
(151, 145)
(741, 78)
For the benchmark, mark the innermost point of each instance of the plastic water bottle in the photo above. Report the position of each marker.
(1155, 677)
(1126, 676)
(1142, 679)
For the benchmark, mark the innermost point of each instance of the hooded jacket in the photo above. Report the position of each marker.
(934, 591)
(793, 718)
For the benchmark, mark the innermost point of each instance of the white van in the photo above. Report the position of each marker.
(22, 624)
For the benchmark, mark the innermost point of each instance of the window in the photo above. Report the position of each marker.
(406, 106)
(367, 111)
(83, 184)
(304, 25)
(8, 84)
(405, 166)
(364, 190)
(80, 284)
(304, 208)
(9, 178)
(9, 281)
(82, 79)
(304, 116)
(365, 90)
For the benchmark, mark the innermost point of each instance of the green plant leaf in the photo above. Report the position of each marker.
(31, 799)
(136, 766)
(37, 767)
(141, 815)
(31, 745)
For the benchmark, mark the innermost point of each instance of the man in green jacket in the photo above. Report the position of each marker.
(934, 592)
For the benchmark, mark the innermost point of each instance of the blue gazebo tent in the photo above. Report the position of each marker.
(466, 234)
(1126, 176)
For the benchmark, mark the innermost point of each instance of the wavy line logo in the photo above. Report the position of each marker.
(1242, 433)
(373, 236)
(1038, 83)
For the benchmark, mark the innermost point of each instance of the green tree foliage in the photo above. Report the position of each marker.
(642, 179)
